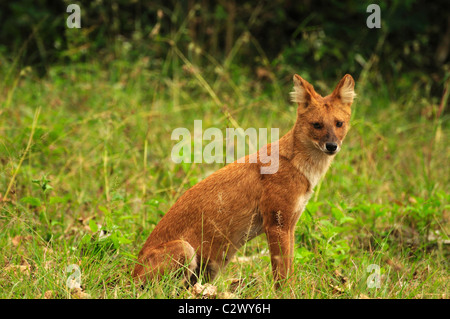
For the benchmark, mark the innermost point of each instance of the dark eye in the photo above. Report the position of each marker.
(317, 126)
(339, 124)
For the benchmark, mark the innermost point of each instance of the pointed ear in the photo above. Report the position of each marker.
(303, 91)
(345, 90)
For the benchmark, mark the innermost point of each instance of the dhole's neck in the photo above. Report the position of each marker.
(310, 161)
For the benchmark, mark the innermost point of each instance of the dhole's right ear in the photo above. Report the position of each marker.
(303, 91)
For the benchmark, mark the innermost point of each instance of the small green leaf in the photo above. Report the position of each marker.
(46, 187)
(57, 200)
(313, 207)
(93, 226)
(303, 255)
(128, 217)
(346, 219)
(131, 256)
(153, 202)
(33, 201)
(103, 209)
(55, 222)
(122, 240)
(117, 197)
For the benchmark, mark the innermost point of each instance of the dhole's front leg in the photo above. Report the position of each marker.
(280, 237)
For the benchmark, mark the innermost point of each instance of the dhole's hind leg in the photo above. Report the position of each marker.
(153, 262)
(206, 271)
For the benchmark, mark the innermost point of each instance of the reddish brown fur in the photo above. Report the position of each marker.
(213, 219)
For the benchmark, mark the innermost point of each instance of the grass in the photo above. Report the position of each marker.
(86, 174)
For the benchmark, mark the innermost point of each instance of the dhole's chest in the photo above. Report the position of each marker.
(301, 203)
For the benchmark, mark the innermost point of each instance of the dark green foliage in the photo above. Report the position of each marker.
(322, 39)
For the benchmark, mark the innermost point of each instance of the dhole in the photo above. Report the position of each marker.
(212, 220)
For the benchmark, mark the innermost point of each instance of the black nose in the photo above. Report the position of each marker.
(331, 147)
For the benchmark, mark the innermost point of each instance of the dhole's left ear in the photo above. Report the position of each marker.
(345, 90)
